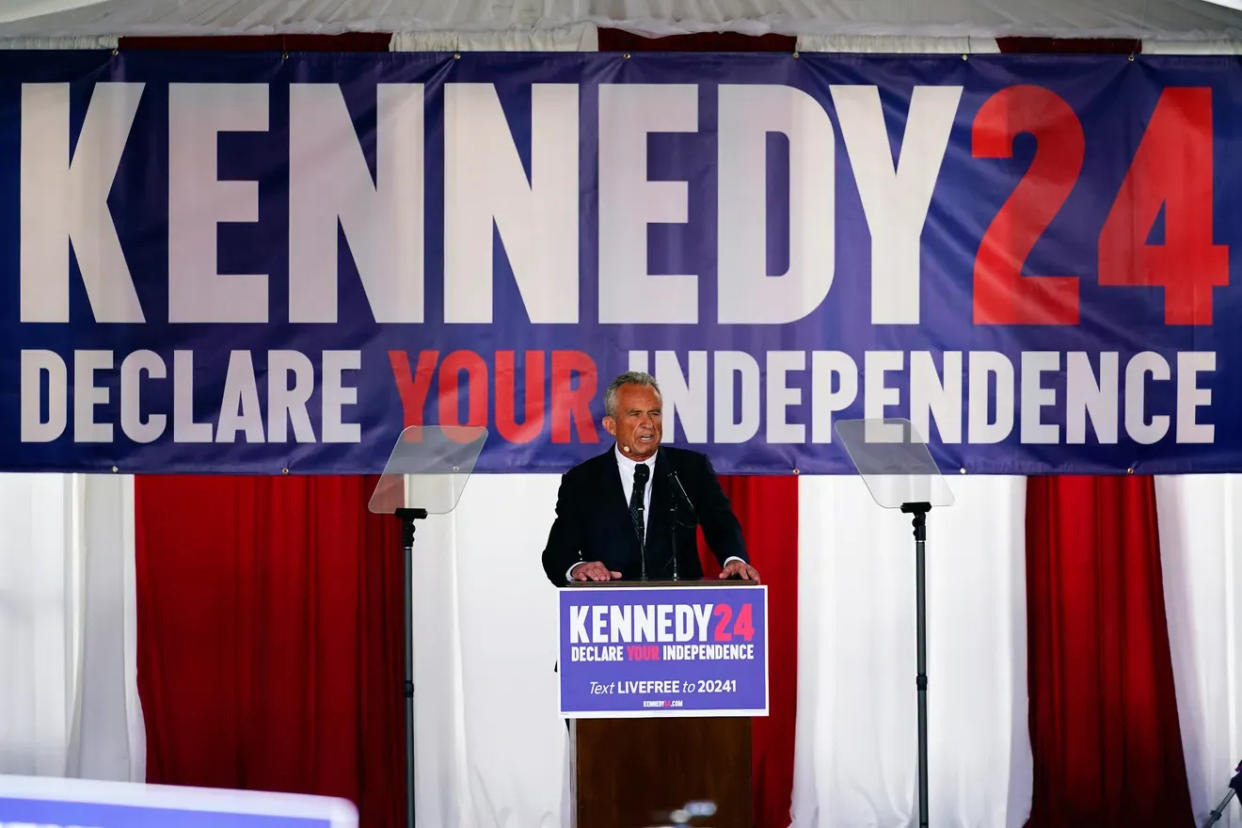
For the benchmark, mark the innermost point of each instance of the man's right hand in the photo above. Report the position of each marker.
(593, 571)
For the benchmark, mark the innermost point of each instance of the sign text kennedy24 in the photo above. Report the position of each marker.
(666, 650)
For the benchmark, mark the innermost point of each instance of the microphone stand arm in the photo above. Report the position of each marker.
(1235, 787)
(680, 489)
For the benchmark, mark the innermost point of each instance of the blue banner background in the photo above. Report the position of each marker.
(1112, 96)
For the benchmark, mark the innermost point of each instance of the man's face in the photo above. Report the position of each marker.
(637, 424)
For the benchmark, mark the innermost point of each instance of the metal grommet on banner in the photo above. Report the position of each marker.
(965, 56)
(285, 470)
(626, 55)
(1130, 470)
(116, 52)
(962, 470)
(1130, 57)
(795, 55)
(284, 56)
(795, 471)
(456, 55)
(115, 469)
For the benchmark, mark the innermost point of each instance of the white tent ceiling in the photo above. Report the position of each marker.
(1173, 20)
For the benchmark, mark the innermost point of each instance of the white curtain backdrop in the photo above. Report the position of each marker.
(1200, 539)
(856, 751)
(491, 748)
(68, 694)
(492, 751)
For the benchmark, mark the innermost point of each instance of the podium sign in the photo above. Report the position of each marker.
(46, 801)
(664, 651)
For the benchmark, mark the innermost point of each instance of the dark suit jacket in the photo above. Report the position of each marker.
(593, 519)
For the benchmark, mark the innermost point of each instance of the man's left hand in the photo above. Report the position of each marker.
(740, 569)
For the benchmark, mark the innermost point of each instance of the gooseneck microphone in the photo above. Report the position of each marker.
(676, 481)
(672, 473)
(637, 510)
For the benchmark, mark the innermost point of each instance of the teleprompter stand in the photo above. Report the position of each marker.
(425, 475)
(1235, 789)
(894, 462)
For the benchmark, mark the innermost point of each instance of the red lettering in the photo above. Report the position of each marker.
(642, 652)
(744, 626)
(1172, 168)
(450, 389)
(506, 379)
(570, 404)
(1002, 295)
(723, 612)
(413, 388)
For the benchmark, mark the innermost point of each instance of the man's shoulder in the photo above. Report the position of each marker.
(684, 459)
(677, 453)
(592, 466)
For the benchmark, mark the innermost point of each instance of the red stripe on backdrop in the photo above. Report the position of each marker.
(617, 40)
(269, 637)
(767, 508)
(1104, 726)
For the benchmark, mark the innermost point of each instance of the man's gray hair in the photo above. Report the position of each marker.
(628, 378)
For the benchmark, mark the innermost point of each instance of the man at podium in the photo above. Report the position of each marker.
(631, 512)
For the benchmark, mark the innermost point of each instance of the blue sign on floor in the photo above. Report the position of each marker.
(49, 802)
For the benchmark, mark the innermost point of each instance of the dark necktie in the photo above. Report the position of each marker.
(641, 473)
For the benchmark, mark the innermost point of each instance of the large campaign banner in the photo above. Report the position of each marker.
(265, 262)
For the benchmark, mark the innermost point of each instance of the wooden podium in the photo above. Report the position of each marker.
(631, 772)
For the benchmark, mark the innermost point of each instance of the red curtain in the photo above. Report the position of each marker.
(1103, 716)
(270, 637)
(290, 596)
(767, 508)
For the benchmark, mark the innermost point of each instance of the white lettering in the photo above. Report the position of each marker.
(895, 199)
(36, 364)
(746, 292)
(726, 365)
(1190, 397)
(829, 368)
(1140, 429)
(781, 397)
(1085, 396)
(682, 397)
(336, 395)
(132, 369)
(198, 202)
(537, 220)
(983, 365)
(628, 202)
(287, 404)
(239, 404)
(936, 396)
(64, 200)
(329, 182)
(1036, 397)
(87, 395)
